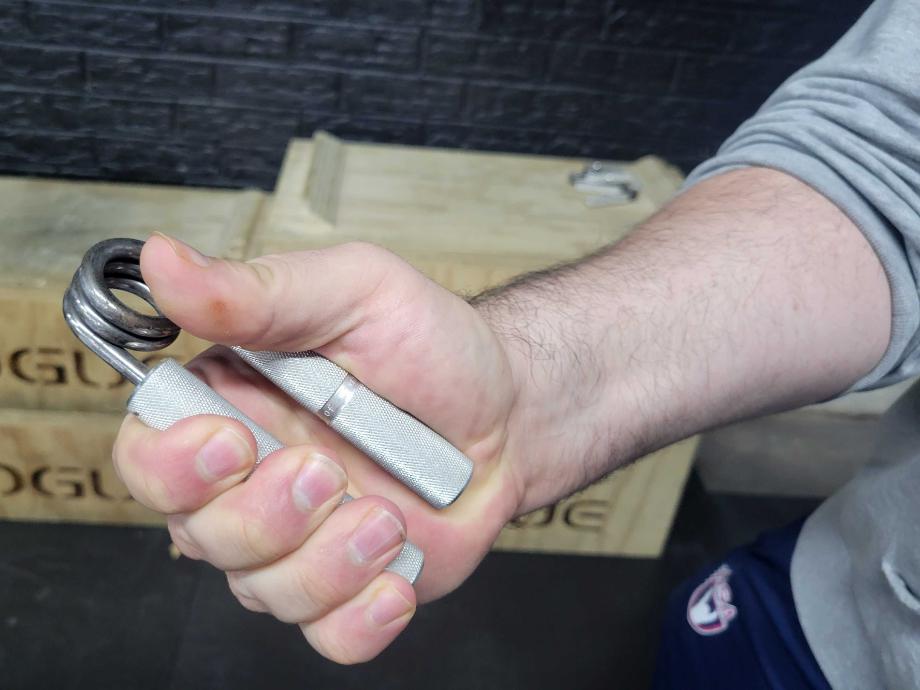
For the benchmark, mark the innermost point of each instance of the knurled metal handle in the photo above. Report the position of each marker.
(398, 442)
(170, 393)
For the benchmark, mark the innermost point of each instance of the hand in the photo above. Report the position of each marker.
(702, 316)
(287, 546)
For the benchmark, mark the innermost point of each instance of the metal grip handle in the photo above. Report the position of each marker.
(394, 439)
(170, 393)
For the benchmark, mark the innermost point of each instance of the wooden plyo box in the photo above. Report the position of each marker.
(56, 467)
(628, 513)
(45, 228)
(468, 220)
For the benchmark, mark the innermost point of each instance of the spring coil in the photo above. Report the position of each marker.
(104, 323)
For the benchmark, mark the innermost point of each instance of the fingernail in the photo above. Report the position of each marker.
(318, 481)
(184, 251)
(389, 605)
(375, 535)
(222, 455)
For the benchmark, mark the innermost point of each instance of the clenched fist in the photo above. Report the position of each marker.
(287, 546)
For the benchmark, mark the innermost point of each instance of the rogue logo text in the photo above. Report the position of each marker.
(55, 366)
(583, 514)
(63, 482)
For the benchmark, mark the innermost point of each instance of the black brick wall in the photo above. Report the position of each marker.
(207, 92)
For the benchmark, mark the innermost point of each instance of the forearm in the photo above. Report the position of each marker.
(748, 294)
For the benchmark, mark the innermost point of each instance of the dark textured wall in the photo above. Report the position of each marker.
(208, 91)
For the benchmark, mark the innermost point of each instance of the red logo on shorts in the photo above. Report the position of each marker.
(710, 610)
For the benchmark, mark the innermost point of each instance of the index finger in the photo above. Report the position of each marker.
(184, 467)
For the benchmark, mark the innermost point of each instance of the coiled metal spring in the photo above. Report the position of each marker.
(103, 322)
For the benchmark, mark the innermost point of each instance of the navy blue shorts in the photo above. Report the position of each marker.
(734, 625)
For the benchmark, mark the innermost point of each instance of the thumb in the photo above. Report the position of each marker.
(295, 301)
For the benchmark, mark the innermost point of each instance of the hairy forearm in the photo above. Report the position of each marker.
(750, 293)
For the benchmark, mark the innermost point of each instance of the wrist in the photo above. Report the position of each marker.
(572, 417)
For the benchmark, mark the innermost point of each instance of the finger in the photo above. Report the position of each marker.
(298, 300)
(184, 467)
(362, 628)
(266, 517)
(348, 550)
(287, 421)
(363, 307)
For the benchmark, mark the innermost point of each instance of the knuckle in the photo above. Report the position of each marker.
(366, 250)
(242, 595)
(319, 593)
(156, 494)
(330, 646)
(275, 278)
(145, 485)
(256, 543)
(180, 536)
(372, 256)
(121, 451)
(276, 274)
(250, 604)
(264, 269)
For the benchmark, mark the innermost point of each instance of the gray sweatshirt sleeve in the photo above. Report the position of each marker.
(848, 125)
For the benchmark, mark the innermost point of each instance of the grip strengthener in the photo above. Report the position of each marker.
(398, 442)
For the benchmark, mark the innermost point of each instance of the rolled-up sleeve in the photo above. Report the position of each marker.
(848, 125)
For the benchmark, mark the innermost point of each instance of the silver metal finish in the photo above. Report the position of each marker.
(104, 323)
(171, 392)
(343, 394)
(398, 442)
(606, 184)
